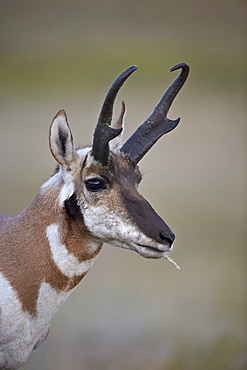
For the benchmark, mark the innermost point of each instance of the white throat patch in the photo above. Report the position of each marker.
(67, 263)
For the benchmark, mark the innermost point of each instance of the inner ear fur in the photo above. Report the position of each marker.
(61, 141)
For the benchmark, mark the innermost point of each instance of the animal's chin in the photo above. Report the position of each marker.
(149, 252)
(143, 250)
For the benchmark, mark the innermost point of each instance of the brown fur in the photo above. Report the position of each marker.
(25, 259)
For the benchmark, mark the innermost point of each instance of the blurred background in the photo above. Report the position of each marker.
(128, 312)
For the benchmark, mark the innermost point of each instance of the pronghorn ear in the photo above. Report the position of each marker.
(61, 141)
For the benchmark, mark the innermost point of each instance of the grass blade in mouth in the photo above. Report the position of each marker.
(168, 258)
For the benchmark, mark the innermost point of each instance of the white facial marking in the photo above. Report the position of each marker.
(62, 176)
(66, 192)
(68, 177)
(121, 232)
(68, 187)
(67, 263)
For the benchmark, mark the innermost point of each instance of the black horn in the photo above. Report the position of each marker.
(157, 123)
(104, 132)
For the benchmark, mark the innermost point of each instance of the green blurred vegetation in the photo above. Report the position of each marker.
(49, 73)
(49, 46)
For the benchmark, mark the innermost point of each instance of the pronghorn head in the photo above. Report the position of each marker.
(100, 183)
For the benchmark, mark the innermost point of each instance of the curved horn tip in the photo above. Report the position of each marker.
(134, 68)
(127, 72)
(184, 66)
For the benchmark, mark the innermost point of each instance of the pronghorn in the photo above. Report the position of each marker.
(91, 199)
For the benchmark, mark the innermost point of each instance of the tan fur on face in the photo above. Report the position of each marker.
(120, 174)
(118, 214)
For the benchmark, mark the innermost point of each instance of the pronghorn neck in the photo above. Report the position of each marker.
(52, 249)
(46, 254)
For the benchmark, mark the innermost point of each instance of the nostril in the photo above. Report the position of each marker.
(167, 238)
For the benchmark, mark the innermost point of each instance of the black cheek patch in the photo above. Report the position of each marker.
(72, 208)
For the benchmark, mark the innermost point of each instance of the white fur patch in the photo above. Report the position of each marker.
(66, 192)
(20, 331)
(83, 152)
(67, 263)
(62, 176)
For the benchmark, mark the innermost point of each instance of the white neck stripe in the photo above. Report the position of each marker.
(67, 263)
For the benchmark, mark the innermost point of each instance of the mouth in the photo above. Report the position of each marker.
(151, 252)
(160, 248)
(147, 251)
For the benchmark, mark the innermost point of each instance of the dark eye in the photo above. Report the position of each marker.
(94, 185)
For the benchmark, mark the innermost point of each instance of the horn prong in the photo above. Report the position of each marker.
(104, 132)
(119, 122)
